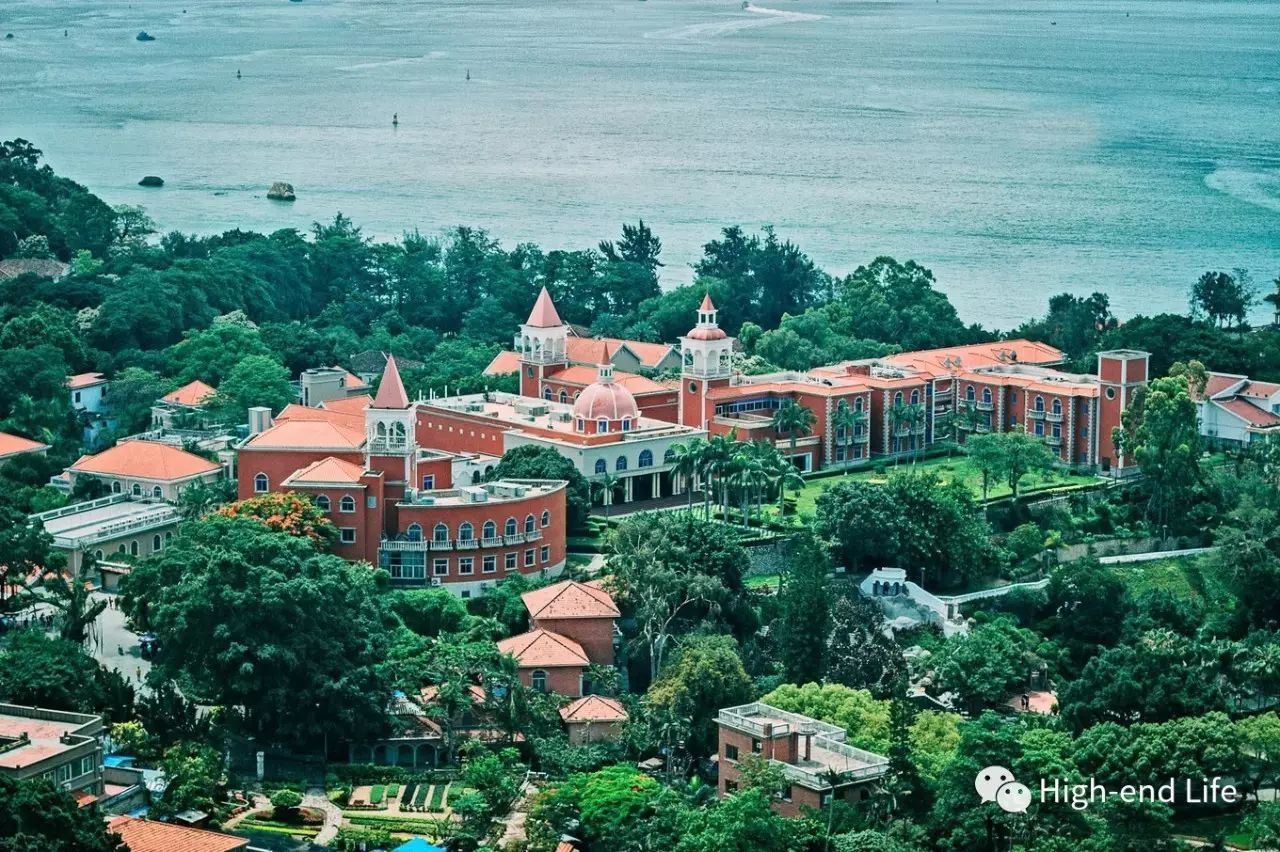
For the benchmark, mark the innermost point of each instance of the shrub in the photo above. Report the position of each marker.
(283, 800)
(437, 797)
(421, 799)
(376, 794)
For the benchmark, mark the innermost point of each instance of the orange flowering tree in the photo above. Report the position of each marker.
(294, 514)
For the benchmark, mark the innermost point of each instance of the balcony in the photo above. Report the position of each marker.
(985, 406)
(1053, 440)
(1053, 416)
(467, 544)
(441, 544)
(1035, 413)
(862, 437)
(902, 430)
(495, 541)
(533, 535)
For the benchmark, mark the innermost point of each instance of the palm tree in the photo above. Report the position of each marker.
(970, 417)
(898, 416)
(749, 477)
(916, 416)
(784, 473)
(795, 420)
(718, 464)
(766, 457)
(948, 424)
(848, 421)
(688, 460)
(603, 485)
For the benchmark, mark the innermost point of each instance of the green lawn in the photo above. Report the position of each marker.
(1192, 578)
(763, 581)
(957, 468)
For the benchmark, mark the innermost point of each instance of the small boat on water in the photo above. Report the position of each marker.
(145, 36)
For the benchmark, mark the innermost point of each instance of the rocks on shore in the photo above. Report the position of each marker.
(151, 180)
(145, 36)
(281, 191)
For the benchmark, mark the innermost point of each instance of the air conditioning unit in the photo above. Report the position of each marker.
(435, 581)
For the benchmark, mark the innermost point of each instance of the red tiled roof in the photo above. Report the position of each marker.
(353, 381)
(348, 404)
(1259, 390)
(12, 445)
(544, 313)
(570, 599)
(391, 390)
(145, 460)
(301, 427)
(144, 835)
(594, 708)
(584, 376)
(707, 305)
(1250, 413)
(327, 470)
(504, 363)
(193, 394)
(1216, 383)
(544, 649)
(85, 380)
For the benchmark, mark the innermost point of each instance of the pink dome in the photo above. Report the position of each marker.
(715, 333)
(608, 400)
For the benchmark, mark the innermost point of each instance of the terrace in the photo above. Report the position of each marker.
(826, 751)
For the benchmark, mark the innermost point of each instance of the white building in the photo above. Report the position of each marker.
(1237, 410)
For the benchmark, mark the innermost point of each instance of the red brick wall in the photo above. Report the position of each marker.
(279, 464)
(661, 406)
(595, 635)
(593, 732)
(562, 680)
(457, 433)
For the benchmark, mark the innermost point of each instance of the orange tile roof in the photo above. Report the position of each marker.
(544, 313)
(327, 470)
(649, 354)
(145, 460)
(301, 427)
(979, 355)
(353, 381)
(594, 708)
(144, 835)
(391, 389)
(192, 394)
(503, 364)
(544, 649)
(12, 445)
(1259, 390)
(348, 404)
(85, 380)
(1216, 383)
(582, 376)
(1250, 413)
(570, 599)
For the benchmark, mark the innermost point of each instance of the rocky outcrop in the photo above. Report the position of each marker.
(145, 36)
(151, 180)
(281, 191)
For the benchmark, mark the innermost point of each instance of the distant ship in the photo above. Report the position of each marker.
(145, 36)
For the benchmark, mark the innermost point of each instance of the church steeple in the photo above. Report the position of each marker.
(389, 426)
(391, 389)
(543, 344)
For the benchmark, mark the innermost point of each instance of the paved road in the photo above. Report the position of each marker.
(109, 636)
(315, 798)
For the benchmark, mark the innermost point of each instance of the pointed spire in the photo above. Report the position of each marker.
(391, 389)
(544, 313)
(707, 306)
(605, 363)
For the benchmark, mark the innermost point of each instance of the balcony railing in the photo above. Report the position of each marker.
(533, 535)
(861, 437)
(1035, 414)
(456, 543)
(1053, 440)
(467, 544)
(985, 406)
(1053, 417)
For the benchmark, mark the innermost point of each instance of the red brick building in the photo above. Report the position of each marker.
(593, 719)
(806, 751)
(396, 505)
(573, 627)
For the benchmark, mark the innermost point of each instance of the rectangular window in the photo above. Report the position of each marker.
(371, 502)
(545, 556)
(490, 564)
(86, 765)
(730, 786)
(440, 567)
(756, 745)
(528, 558)
(786, 793)
(465, 565)
(348, 535)
(428, 482)
(510, 562)
(730, 752)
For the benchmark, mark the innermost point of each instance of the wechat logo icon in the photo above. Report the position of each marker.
(997, 784)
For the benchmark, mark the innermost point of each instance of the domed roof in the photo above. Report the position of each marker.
(608, 400)
(716, 333)
(706, 329)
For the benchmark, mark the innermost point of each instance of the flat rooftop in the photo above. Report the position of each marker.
(826, 745)
(522, 412)
(501, 491)
(97, 520)
(30, 734)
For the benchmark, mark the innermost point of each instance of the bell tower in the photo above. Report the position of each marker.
(706, 363)
(390, 440)
(543, 345)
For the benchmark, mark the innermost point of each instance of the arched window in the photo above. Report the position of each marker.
(626, 424)
(466, 531)
(156, 542)
(133, 548)
(156, 492)
(897, 398)
(669, 457)
(539, 680)
(1039, 403)
(564, 395)
(580, 425)
(968, 394)
(1057, 406)
(602, 466)
(915, 397)
(322, 503)
(347, 504)
(115, 488)
(261, 484)
(546, 519)
(546, 394)
(137, 490)
(646, 458)
(510, 528)
(414, 532)
(602, 425)
(857, 404)
(529, 523)
(440, 533)
(621, 463)
(489, 530)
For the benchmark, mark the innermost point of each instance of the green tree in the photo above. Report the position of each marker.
(39, 671)
(985, 666)
(211, 354)
(194, 777)
(37, 817)
(706, 675)
(1008, 455)
(1160, 430)
(1221, 296)
(793, 420)
(285, 799)
(805, 602)
(216, 599)
(258, 380)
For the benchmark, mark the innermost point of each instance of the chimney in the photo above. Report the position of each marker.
(259, 419)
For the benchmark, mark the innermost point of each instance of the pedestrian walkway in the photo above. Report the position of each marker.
(316, 798)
